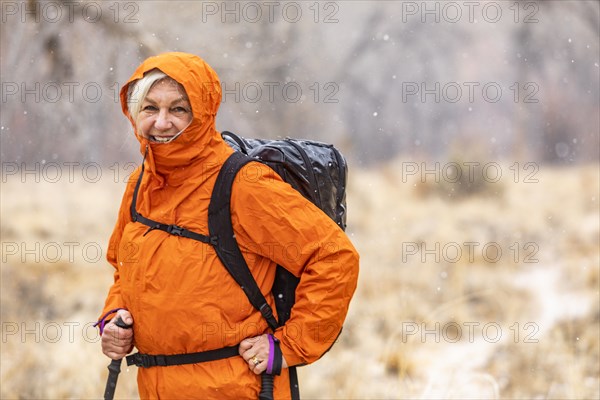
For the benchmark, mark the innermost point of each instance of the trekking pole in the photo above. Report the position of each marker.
(114, 368)
(266, 387)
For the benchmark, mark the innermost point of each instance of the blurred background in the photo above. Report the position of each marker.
(472, 134)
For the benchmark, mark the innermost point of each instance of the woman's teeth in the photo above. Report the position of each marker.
(162, 139)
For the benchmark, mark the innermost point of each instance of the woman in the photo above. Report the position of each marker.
(174, 291)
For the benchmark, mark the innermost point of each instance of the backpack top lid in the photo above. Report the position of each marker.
(317, 170)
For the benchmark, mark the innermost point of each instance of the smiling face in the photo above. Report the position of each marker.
(164, 112)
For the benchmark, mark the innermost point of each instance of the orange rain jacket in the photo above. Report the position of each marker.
(180, 295)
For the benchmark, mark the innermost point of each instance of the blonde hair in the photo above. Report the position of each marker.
(137, 91)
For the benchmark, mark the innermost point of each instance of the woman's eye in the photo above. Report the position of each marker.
(180, 110)
(149, 108)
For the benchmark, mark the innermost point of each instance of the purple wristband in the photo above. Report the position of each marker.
(271, 354)
(102, 320)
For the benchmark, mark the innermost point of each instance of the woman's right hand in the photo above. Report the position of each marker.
(118, 342)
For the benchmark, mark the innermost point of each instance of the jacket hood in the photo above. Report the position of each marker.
(200, 140)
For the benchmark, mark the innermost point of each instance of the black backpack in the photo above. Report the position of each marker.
(317, 170)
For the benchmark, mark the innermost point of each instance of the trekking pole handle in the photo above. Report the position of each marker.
(114, 368)
(266, 387)
(121, 324)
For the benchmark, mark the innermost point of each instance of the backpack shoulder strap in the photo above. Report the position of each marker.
(227, 249)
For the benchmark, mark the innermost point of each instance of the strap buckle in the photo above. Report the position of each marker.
(175, 230)
(136, 359)
(147, 360)
(266, 311)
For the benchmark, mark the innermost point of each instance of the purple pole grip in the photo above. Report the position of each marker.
(271, 354)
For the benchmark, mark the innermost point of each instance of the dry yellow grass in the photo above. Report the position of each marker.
(469, 324)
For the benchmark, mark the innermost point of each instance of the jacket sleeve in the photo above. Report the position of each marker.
(274, 220)
(114, 300)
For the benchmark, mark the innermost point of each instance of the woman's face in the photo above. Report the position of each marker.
(165, 112)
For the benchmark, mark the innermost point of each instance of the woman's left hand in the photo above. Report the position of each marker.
(255, 351)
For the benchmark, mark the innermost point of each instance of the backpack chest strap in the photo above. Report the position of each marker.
(172, 229)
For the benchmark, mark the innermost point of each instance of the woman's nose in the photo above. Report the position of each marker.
(163, 121)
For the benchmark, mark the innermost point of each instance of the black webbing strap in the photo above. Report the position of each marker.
(149, 360)
(170, 229)
(227, 249)
(294, 386)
